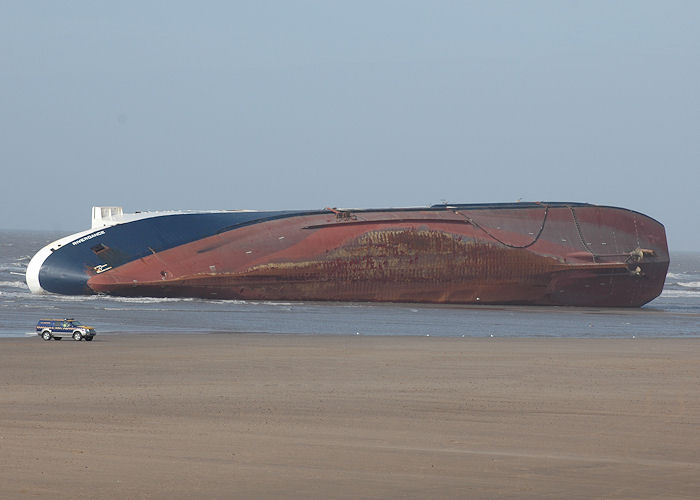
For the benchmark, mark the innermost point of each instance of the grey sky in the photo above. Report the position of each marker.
(297, 104)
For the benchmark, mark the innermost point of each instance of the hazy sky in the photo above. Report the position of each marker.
(301, 104)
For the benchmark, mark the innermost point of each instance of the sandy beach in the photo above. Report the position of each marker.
(294, 416)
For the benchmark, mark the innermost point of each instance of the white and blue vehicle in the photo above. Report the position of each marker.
(56, 328)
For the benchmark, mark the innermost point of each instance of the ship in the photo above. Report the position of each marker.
(524, 253)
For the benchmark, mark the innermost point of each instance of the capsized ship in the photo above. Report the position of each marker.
(544, 253)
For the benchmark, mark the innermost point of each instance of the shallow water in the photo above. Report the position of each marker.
(676, 313)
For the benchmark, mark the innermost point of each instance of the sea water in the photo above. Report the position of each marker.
(676, 313)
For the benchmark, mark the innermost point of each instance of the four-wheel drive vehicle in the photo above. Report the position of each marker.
(54, 329)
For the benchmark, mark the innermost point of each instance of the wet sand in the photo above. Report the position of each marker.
(292, 416)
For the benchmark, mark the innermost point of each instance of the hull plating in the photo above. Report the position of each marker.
(545, 254)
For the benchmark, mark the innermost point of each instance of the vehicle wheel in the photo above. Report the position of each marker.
(88, 339)
(46, 335)
(77, 336)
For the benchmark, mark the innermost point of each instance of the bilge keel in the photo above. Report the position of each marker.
(547, 253)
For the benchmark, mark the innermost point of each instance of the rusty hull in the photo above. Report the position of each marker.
(563, 255)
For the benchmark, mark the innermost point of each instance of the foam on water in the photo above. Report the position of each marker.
(681, 293)
(108, 308)
(689, 284)
(675, 276)
(14, 284)
(145, 300)
(223, 301)
(67, 298)
(15, 295)
(13, 267)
